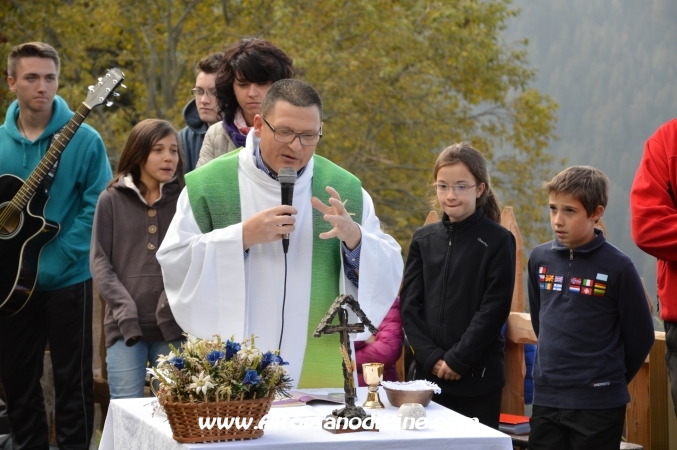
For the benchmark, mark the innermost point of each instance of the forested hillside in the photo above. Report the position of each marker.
(611, 67)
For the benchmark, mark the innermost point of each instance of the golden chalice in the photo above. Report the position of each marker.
(373, 375)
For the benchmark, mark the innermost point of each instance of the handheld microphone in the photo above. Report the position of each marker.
(287, 177)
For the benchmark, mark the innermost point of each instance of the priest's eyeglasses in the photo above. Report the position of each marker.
(459, 189)
(288, 136)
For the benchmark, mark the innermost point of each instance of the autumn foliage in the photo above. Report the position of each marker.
(400, 81)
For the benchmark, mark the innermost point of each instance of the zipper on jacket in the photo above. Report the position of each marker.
(565, 294)
(444, 286)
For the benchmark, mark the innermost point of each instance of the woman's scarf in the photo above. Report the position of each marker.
(237, 130)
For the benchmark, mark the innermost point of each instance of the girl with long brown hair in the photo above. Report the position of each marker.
(131, 219)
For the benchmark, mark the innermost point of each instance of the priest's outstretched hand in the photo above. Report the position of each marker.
(336, 214)
(268, 225)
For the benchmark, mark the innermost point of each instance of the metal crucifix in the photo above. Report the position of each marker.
(343, 328)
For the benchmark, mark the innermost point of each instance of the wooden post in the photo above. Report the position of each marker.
(601, 226)
(432, 218)
(509, 221)
(661, 417)
(638, 413)
(512, 401)
(672, 419)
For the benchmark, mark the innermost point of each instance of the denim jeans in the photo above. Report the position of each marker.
(127, 365)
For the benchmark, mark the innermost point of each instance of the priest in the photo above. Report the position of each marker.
(226, 271)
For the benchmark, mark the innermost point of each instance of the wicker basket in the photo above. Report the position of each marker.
(184, 419)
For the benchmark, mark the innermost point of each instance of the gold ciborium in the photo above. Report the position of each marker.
(373, 375)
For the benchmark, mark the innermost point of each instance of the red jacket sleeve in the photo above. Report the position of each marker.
(652, 197)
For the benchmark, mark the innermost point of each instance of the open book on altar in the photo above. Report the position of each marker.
(298, 398)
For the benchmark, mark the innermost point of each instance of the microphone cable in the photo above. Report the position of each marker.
(284, 300)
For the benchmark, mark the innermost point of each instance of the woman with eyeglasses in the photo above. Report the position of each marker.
(457, 288)
(247, 70)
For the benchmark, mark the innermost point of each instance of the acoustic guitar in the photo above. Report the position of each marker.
(24, 230)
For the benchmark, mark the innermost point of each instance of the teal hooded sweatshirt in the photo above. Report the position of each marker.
(83, 173)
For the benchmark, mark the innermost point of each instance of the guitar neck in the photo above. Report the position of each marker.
(51, 157)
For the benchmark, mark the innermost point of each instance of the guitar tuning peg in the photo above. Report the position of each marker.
(122, 85)
(109, 104)
(90, 88)
(100, 79)
(115, 94)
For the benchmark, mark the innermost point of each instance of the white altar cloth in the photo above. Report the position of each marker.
(130, 424)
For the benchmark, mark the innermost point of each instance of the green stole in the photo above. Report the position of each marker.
(214, 194)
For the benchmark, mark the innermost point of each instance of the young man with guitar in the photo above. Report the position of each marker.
(58, 302)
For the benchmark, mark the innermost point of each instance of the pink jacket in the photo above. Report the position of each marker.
(386, 349)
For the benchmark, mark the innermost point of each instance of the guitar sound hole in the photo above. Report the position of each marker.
(10, 221)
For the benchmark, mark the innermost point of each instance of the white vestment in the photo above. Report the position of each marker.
(213, 289)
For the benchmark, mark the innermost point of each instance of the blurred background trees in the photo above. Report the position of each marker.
(611, 67)
(400, 81)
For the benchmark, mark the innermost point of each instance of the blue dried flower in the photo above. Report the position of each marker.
(231, 349)
(271, 358)
(214, 356)
(251, 377)
(177, 362)
(267, 359)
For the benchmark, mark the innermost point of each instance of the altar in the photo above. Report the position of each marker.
(133, 424)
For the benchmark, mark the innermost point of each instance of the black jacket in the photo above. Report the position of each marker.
(594, 327)
(455, 298)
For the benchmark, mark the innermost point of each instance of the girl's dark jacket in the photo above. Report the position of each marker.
(125, 237)
(456, 296)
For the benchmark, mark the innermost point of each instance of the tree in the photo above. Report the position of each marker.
(400, 81)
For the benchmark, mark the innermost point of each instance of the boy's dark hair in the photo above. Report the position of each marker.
(31, 49)
(465, 154)
(209, 64)
(586, 184)
(253, 60)
(292, 91)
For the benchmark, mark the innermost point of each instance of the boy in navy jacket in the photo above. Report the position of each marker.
(591, 316)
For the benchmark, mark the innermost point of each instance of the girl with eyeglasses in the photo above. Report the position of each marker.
(247, 70)
(457, 288)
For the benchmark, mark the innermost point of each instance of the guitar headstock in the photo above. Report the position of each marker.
(99, 93)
